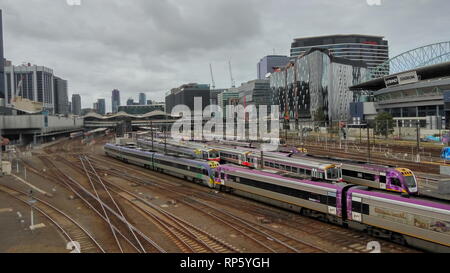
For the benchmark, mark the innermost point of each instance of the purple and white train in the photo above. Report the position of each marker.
(400, 180)
(418, 223)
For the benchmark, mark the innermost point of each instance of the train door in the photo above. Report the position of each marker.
(241, 159)
(342, 199)
(382, 181)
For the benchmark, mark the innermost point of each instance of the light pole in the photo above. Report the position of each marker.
(368, 141)
(418, 141)
(31, 202)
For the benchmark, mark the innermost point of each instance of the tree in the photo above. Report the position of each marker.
(319, 115)
(384, 124)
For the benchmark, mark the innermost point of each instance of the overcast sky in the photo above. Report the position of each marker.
(152, 46)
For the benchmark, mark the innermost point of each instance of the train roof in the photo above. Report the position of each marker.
(178, 146)
(160, 156)
(398, 198)
(231, 150)
(279, 177)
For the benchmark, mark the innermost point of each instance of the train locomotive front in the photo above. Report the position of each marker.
(402, 180)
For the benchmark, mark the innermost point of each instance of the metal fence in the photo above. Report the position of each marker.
(384, 138)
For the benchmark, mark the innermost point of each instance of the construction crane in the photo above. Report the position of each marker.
(233, 83)
(212, 77)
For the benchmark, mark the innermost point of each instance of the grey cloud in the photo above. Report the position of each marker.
(153, 45)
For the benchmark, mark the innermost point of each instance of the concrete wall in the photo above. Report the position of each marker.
(21, 122)
(27, 122)
(61, 123)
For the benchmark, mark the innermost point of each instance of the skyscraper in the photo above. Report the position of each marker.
(2, 61)
(373, 50)
(61, 96)
(130, 101)
(101, 106)
(269, 63)
(76, 104)
(115, 100)
(31, 82)
(142, 99)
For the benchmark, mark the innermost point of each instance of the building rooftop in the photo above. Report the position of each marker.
(441, 70)
(339, 35)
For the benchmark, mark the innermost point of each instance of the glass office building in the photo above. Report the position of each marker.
(316, 81)
(373, 50)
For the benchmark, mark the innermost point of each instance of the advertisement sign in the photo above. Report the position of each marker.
(405, 78)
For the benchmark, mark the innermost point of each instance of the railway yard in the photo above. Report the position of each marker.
(105, 205)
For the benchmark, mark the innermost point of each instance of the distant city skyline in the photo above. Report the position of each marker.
(181, 52)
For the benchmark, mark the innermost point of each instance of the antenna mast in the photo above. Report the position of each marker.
(233, 83)
(212, 77)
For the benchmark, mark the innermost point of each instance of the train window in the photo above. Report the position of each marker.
(266, 163)
(314, 196)
(349, 173)
(222, 175)
(368, 176)
(205, 171)
(307, 172)
(288, 168)
(294, 169)
(365, 209)
(331, 201)
(277, 166)
(283, 167)
(323, 199)
(396, 182)
(356, 206)
(272, 165)
(382, 179)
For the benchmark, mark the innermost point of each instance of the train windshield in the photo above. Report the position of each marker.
(333, 173)
(213, 154)
(410, 181)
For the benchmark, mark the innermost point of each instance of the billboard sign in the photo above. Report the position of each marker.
(400, 79)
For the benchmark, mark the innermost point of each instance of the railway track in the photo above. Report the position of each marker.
(348, 240)
(269, 239)
(377, 159)
(107, 198)
(120, 226)
(71, 229)
(184, 234)
(187, 237)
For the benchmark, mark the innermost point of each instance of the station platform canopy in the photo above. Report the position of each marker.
(441, 70)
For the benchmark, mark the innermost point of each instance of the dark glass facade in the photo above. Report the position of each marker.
(101, 104)
(61, 96)
(316, 82)
(76, 104)
(115, 100)
(185, 94)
